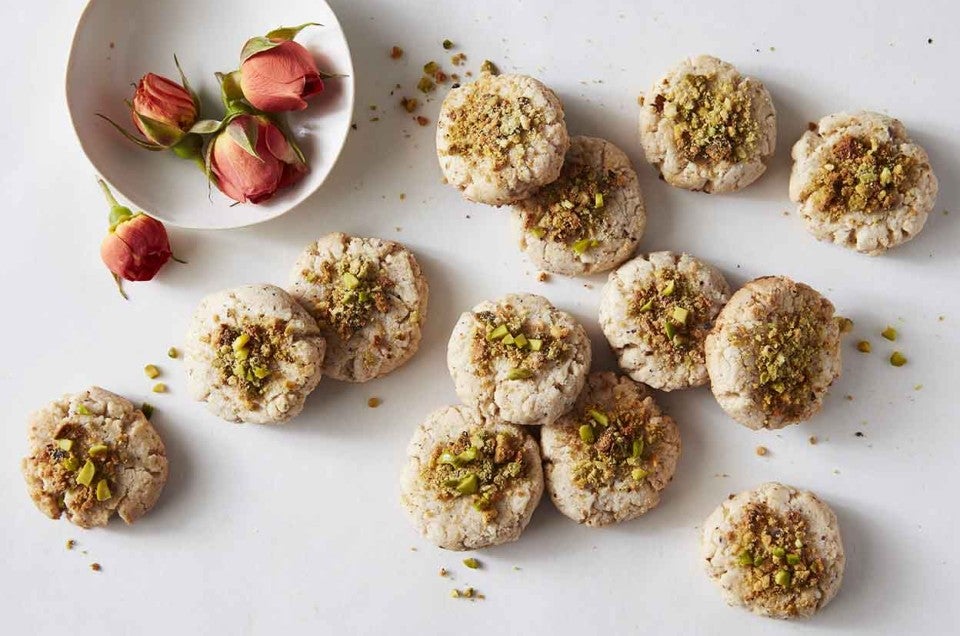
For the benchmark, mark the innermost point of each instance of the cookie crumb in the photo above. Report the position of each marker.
(396, 52)
(443, 572)
(95, 567)
(403, 196)
(849, 398)
(917, 387)
(858, 434)
(543, 277)
(374, 402)
(70, 543)
(813, 440)
(423, 121)
(761, 450)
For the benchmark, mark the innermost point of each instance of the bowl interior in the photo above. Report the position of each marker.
(118, 41)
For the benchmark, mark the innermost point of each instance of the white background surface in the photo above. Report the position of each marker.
(298, 528)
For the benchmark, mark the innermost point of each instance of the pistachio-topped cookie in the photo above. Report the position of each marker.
(706, 127)
(774, 550)
(93, 454)
(656, 311)
(501, 138)
(369, 298)
(773, 353)
(518, 359)
(253, 354)
(588, 220)
(608, 458)
(861, 182)
(469, 483)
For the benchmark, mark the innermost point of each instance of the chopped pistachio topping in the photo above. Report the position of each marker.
(845, 324)
(86, 474)
(619, 445)
(159, 387)
(570, 210)
(471, 563)
(354, 291)
(672, 311)
(862, 174)
(478, 464)
(65, 444)
(173, 353)
(151, 370)
(776, 554)
(430, 68)
(103, 490)
(713, 119)
(897, 359)
(786, 353)
(889, 333)
(864, 346)
(488, 126)
(489, 68)
(528, 346)
(83, 410)
(97, 450)
(246, 355)
(70, 463)
(447, 44)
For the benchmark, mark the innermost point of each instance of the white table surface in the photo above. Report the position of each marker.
(273, 530)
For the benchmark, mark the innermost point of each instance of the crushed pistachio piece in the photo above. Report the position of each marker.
(65, 444)
(447, 44)
(782, 578)
(587, 434)
(645, 307)
(469, 485)
(535, 344)
(86, 474)
(70, 463)
(680, 315)
(897, 359)
(83, 410)
(151, 370)
(173, 353)
(889, 333)
(159, 387)
(425, 85)
(669, 329)
(489, 67)
(745, 558)
(669, 288)
(519, 373)
(583, 245)
(349, 280)
(498, 332)
(864, 346)
(639, 473)
(97, 450)
(599, 417)
(598, 200)
(521, 341)
(845, 324)
(471, 563)
(103, 490)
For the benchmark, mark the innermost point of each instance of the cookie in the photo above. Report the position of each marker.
(773, 353)
(369, 299)
(706, 127)
(253, 354)
(608, 458)
(501, 138)
(861, 182)
(469, 483)
(93, 454)
(774, 550)
(656, 311)
(518, 359)
(590, 219)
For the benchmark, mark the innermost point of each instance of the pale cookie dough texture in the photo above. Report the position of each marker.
(590, 219)
(369, 299)
(708, 128)
(93, 454)
(861, 182)
(773, 353)
(463, 522)
(774, 550)
(501, 138)
(608, 459)
(253, 354)
(656, 311)
(518, 359)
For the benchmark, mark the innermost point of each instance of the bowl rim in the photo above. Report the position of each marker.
(341, 144)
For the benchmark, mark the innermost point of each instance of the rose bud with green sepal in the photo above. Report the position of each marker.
(251, 158)
(278, 74)
(136, 245)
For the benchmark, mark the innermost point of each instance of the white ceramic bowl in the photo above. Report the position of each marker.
(118, 41)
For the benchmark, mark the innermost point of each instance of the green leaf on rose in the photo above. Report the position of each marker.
(266, 42)
(205, 127)
(230, 91)
(186, 85)
(284, 34)
(281, 123)
(244, 134)
(147, 145)
(165, 134)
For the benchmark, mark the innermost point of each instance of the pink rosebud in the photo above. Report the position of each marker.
(163, 110)
(280, 78)
(252, 159)
(137, 246)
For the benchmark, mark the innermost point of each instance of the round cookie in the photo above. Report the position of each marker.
(656, 311)
(607, 459)
(369, 299)
(590, 219)
(773, 353)
(774, 550)
(708, 128)
(93, 454)
(253, 354)
(501, 138)
(470, 483)
(861, 182)
(518, 359)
